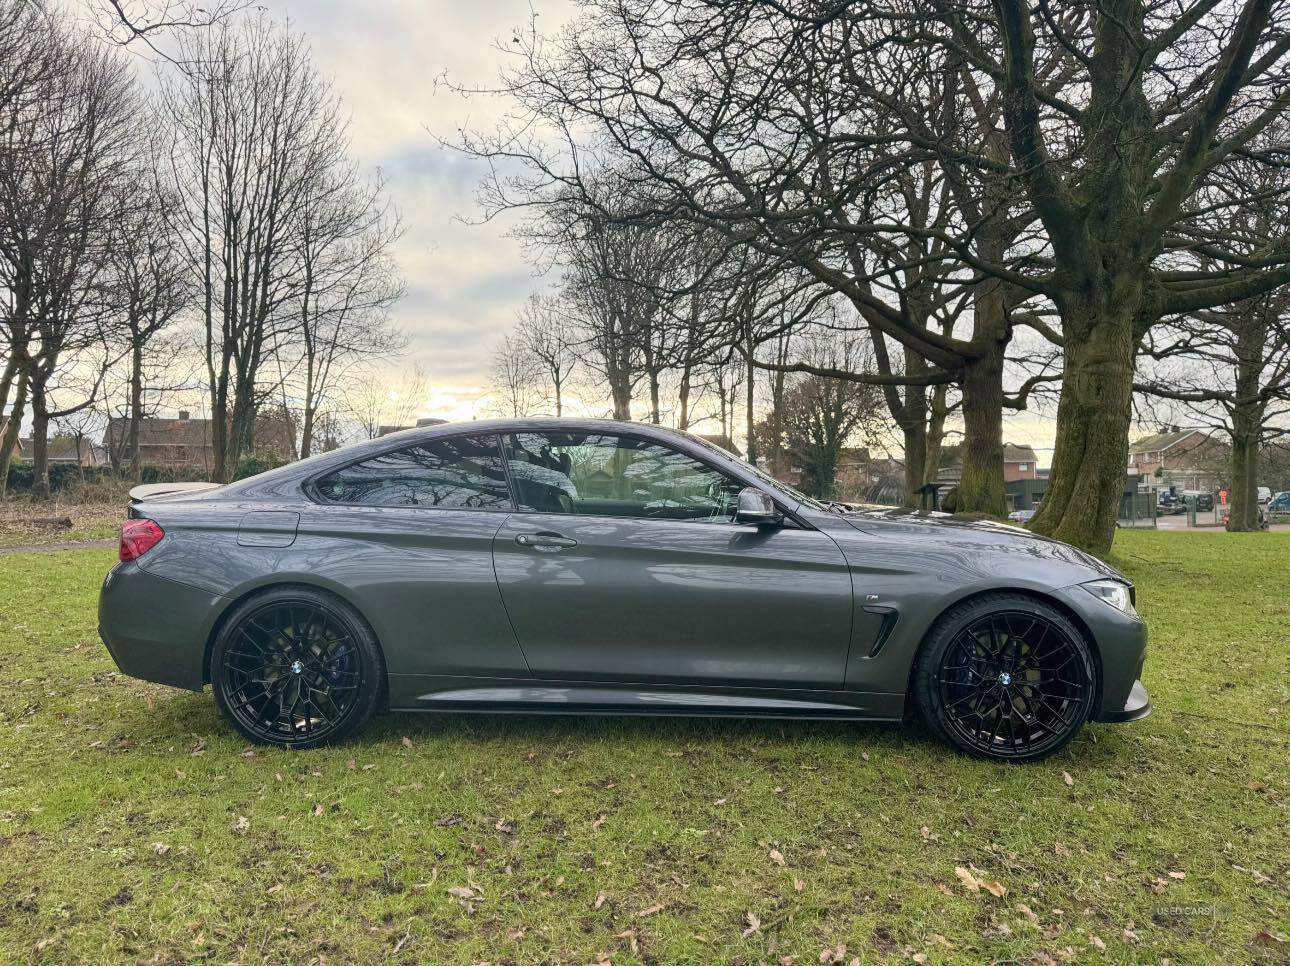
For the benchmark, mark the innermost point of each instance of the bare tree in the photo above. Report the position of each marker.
(1113, 115)
(252, 134)
(544, 331)
(69, 144)
(347, 284)
(514, 378)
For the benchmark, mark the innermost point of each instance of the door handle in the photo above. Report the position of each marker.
(545, 541)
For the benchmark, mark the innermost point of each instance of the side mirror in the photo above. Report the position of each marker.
(756, 507)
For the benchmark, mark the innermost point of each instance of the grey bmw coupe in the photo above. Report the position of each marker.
(596, 567)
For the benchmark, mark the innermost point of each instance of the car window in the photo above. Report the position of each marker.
(604, 474)
(461, 472)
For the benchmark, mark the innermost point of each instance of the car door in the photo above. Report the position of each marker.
(408, 534)
(623, 563)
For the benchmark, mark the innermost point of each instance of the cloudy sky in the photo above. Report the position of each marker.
(388, 59)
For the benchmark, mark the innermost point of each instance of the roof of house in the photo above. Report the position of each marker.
(724, 442)
(155, 431)
(1012, 453)
(1160, 441)
(63, 449)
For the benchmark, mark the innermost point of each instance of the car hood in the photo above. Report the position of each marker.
(986, 536)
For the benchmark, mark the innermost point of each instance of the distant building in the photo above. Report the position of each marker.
(65, 449)
(424, 421)
(722, 442)
(186, 442)
(1185, 459)
(1019, 463)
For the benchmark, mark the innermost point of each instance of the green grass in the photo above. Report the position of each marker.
(135, 825)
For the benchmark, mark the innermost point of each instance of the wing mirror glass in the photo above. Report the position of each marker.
(756, 507)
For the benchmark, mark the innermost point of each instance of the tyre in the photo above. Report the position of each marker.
(297, 668)
(1005, 677)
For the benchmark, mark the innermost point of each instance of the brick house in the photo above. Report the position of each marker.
(1019, 463)
(184, 442)
(1186, 459)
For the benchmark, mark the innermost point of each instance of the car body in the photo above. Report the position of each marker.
(1264, 494)
(1280, 503)
(593, 566)
(1022, 516)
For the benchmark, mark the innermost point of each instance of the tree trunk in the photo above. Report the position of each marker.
(13, 426)
(39, 447)
(683, 399)
(981, 488)
(750, 398)
(915, 433)
(620, 391)
(1092, 446)
(1245, 462)
(136, 406)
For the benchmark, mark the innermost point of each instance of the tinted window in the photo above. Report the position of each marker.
(609, 475)
(462, 472)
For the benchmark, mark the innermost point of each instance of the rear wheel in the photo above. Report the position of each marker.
(297, 668)
(1005, 677)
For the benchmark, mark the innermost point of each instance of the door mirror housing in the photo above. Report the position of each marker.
(756, 507)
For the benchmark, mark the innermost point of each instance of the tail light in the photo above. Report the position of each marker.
(138, 537)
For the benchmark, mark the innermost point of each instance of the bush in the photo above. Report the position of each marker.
(258, 463)
(61, 476)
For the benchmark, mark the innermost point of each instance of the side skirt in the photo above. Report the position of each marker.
(414, 692)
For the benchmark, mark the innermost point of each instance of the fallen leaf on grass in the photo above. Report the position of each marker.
(160, 848)
(753, 924)
(600, 820)
(515, 933)
(798, 885)
(777, 857)
(318, 809)
(1026, 911)
(505, 827)
(1066, 777)
(1097, 943)
(600, 900)
(1177, 875)
(242, 825)
(657, 907)
(407, 742)
(630, 936)
(975, 884)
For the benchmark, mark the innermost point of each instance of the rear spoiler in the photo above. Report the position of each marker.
(153, 491)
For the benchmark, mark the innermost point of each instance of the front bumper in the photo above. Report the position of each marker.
(1137, 707)
(156, 629)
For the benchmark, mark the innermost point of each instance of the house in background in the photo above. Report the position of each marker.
(72, 450)
(1185, 459)
(424, 421)
(1019, 463)
(185, 443)
(722, 442)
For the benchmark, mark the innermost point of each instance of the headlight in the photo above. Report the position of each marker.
(1114, 593)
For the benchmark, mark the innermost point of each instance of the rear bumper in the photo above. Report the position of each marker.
(1138, 706)
(156, 629)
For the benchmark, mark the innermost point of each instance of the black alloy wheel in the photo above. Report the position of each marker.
(1006, 677)
(297, 668)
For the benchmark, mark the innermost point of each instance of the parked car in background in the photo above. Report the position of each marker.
(1280, 503)
(599, 567)
(1265, 494)
(1167, 504)
(1022, 516)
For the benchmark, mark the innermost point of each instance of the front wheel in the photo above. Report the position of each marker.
(296, 667)
(1005, 677)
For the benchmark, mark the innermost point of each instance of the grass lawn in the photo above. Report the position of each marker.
(135, 825)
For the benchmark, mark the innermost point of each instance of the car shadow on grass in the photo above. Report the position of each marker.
(187, 717)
